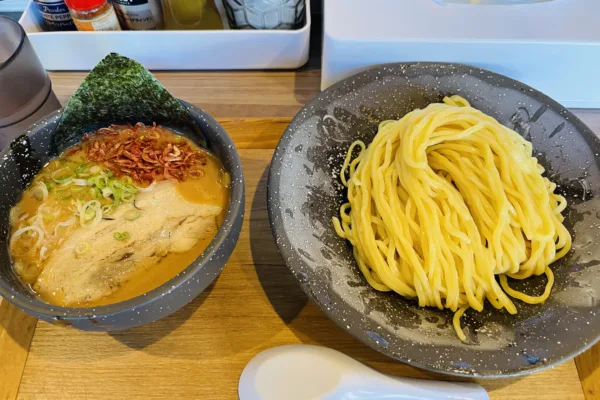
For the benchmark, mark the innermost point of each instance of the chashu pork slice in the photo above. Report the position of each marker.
(167, 223)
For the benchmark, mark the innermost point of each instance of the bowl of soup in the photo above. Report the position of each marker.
(121, 229)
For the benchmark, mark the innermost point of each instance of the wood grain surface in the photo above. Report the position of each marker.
(16, 331)
(255, 303)
(200, 351)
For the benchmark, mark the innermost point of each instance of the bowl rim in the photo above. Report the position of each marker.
(235, 209)
(285, 246)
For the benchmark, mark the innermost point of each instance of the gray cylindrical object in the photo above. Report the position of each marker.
(25, 88)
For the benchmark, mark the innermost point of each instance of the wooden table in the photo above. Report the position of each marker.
(255, 304)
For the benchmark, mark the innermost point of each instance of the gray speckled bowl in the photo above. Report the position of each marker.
(304, 193)
(16, 170)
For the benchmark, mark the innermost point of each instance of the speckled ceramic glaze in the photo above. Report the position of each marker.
(305, 193)
(19, 165)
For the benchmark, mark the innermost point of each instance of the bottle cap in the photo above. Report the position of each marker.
(84, 4)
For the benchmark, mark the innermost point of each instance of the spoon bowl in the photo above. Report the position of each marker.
(305, 372)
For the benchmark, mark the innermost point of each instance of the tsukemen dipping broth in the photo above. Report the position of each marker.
(117, 215)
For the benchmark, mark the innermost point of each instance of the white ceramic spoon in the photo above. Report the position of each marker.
(303, 372)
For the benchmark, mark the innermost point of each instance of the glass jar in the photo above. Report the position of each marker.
(139, 15)
(93, 15)
(265, 14)
(55, 14)
(191, 15)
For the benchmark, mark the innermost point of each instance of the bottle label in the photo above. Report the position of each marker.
(55, 14)
(106, 22)
(136, 14)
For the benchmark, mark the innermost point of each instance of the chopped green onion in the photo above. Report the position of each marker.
(80, 182)
(63, 195)
(77, 189)
(47, 212)
(128, 197)
(122, 236)
(80, 168)
(90, 214)
(95, 170)
(40, 191)
(107, 192)
(48, 186)
(123, 186)
(132, 215)
(62, 175)
(101, 181)
(82, 248)
(13, 215)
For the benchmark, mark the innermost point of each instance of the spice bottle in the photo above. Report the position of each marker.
(191, 15)
(55, 14)
(139, 15)
(93, 15)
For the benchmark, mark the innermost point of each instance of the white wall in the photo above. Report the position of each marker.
(12, 5)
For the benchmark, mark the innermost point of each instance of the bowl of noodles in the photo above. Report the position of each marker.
(445, 216)
(117, 213)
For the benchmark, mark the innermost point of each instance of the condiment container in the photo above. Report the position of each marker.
(264, 14)
(139, 15)
(224, 49)
(55, 14)
(93, 15)
(191, 15)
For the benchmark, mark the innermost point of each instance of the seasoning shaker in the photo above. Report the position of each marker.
(93, 15)
(139, 15)
(55, 14)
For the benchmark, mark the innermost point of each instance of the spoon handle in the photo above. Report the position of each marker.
(375, 386)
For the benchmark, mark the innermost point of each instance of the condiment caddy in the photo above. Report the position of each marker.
(155, 48)
(140, 15)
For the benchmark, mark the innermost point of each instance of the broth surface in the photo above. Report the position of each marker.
(98, 226)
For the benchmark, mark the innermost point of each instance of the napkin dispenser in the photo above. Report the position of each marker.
(552, 45)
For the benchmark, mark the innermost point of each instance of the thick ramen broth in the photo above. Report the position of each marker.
(117, 216)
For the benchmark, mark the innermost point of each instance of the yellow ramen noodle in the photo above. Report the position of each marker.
(446, 200)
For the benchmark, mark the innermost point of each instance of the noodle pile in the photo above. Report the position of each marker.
(445, 199)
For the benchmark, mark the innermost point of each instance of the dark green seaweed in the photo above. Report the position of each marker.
(118, 90)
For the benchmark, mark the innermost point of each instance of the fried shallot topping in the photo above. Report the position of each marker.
(145, 153)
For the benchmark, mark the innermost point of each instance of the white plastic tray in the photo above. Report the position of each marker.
(552, 46)
(171, 50)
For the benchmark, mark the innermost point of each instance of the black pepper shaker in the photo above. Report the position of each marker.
(139, 15)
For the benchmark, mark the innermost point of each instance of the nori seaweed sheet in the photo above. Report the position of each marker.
(118, 90)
